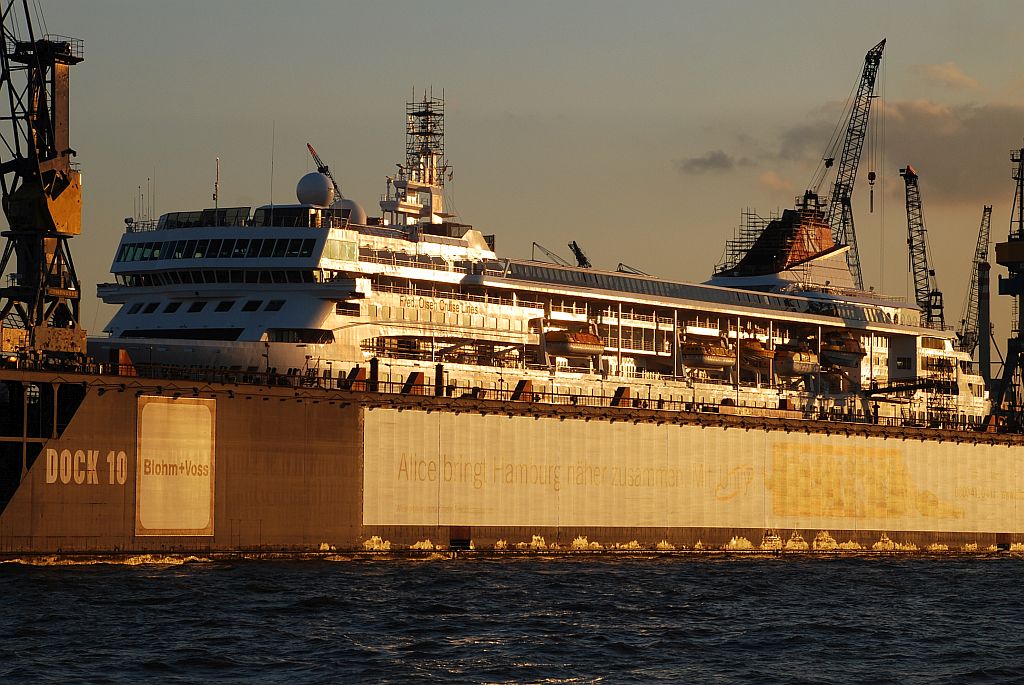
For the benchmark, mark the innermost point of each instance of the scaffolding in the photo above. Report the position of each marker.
(424, 140)
(777, 243)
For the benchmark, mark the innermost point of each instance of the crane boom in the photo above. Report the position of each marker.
(581, 257)
(926, 292)
(840, 213)
(969, 335)
(323, 169)
(549, 254)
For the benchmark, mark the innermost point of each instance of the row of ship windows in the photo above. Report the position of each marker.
(196, 307)
(215, 276)
(272, 248)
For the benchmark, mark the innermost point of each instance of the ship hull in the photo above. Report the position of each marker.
(142, 467)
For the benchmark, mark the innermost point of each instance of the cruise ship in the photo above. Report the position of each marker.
(305, 293)
(310, 379)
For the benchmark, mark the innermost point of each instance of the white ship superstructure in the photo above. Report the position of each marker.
(305, 293)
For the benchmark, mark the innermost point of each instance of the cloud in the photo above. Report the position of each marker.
(716, 161)
(805, 141)
(960, 151)
(947, 75)
(771, 180)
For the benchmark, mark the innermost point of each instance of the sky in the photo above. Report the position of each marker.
(640, 130)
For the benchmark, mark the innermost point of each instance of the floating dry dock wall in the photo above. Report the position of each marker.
(105, 464)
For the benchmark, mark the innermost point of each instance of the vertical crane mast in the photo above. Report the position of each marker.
(840, 212)
(969, 334)
(1011, 255)
(42, 196)
(926, 291)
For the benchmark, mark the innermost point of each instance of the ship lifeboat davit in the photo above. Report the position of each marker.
(791, 361)
(573, 343)
(841, 349)
(755, 355)
(706, 355)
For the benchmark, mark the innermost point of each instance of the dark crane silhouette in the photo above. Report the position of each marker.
(926, 290)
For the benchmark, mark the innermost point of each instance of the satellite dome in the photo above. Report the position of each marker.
(315, 189)
(355, 213)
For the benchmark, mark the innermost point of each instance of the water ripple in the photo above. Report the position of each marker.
(593, 620)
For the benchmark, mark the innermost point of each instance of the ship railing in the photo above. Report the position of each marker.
(194, 381)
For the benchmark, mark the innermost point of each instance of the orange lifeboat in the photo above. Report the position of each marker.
(573, 343)
(755, 355)
(706, 355)
(795, 360)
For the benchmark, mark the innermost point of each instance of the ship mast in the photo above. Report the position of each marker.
(41, 190)
(416, 194)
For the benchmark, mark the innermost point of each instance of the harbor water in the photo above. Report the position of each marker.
(612, 619)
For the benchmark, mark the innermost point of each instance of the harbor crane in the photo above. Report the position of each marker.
(840, 211)
(1008, 391)
(41, 192)
(926, 290)
(969, 333)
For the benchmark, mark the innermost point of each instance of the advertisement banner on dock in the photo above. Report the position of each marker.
(498, 470)
(175, 469)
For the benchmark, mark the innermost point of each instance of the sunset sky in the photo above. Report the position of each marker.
(640, 130)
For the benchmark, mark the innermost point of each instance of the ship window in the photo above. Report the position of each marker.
(188, 251)
(251, 305)
(348, 308)
(225, 305)
(147, 251)
(179, 250)
(135, 308)
(240, 247)
(294, 245)
(236, 276)
(214, 250)
(294, 276)
(201, 248)
(252, 276)
(254, 248)
(280, 248)
(225, 249)
(307, 247)
(274, 305)
(150, 308)
(268, 248)
(221, 275)
(903, 362)
(172, 307)
(196, 307)
(122, 253)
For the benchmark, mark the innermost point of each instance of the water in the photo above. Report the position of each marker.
(608, 619)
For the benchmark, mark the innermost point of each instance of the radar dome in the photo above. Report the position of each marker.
(355, 213)
(315, 189)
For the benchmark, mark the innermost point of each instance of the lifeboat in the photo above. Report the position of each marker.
(791, 361)
(706, 355)
(755, 355)
(841, 349)
(573, 343)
